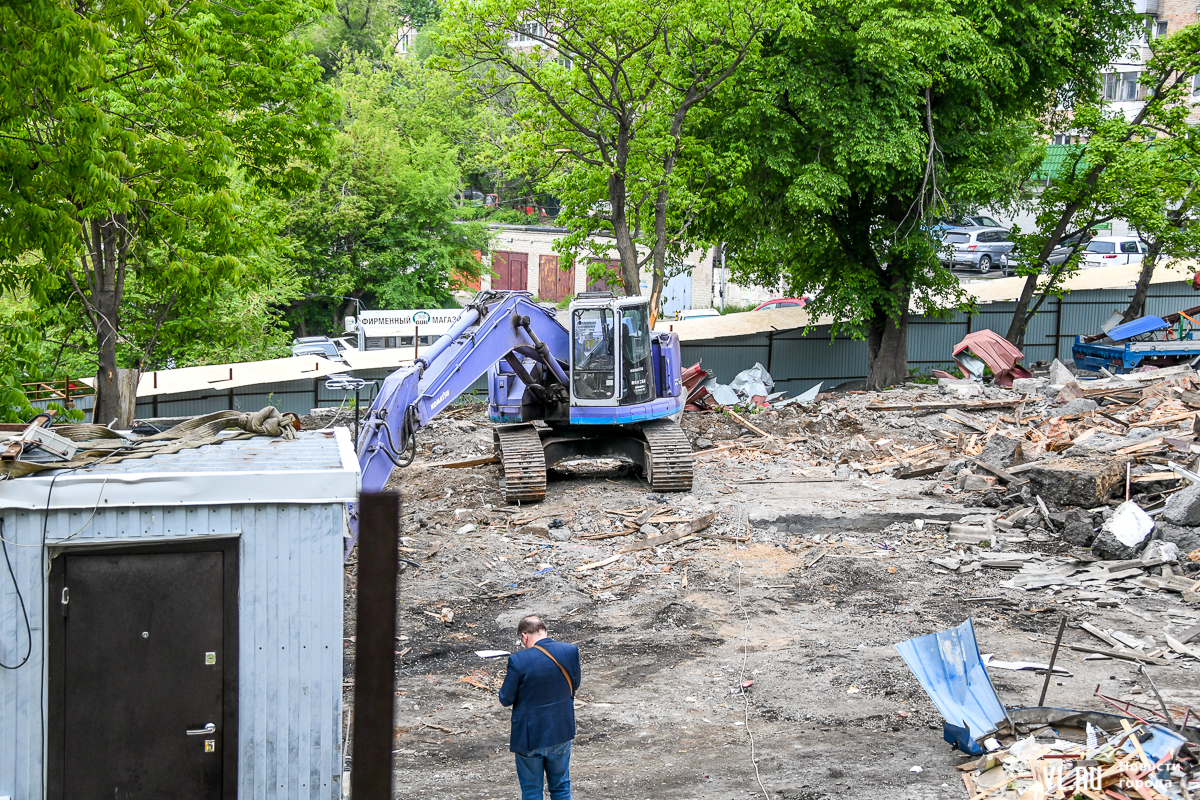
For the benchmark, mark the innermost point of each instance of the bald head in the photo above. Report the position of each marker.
(531, 629)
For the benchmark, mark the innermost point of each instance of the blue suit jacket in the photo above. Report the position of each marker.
(543, 709)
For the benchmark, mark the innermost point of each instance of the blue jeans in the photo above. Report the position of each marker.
(555, 762)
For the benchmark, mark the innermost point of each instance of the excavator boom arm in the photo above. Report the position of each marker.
(492, 327)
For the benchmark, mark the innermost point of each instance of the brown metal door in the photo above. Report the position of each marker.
(566, 281)
(554, 283)
(501, 277)
(511, 270)
(140, 668)
(518, 265)
(599, 285)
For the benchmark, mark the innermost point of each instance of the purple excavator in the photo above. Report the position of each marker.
(606, 387)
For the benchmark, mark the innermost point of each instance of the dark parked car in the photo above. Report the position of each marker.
(976, 248)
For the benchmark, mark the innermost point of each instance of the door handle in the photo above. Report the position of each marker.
(209, 728)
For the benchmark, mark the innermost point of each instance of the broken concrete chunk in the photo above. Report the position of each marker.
(1159, 552)
(1183, 507)
(1186, 539)
(962, 389)
(1080, 406)
(562, 534)
(1108, 547)
(1029, 385)
(1060, 374)
(1129, 524)
(1000, 450)
(535, 529)
(1086, 482)
(975, 483)
(1077, 528)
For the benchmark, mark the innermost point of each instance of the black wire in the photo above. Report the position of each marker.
(20, 599)
(410, 445)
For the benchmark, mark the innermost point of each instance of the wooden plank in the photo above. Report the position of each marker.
(1007, 477)
(1101, 635)
(747, 425)
(954, 415)
(1125, 655)
(719, 538)
(596, 564)
(982, 405)
(698, 524)
(470, 462)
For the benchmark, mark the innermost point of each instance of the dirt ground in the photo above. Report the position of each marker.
(835, 572)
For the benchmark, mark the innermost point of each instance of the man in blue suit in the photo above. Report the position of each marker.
(540, 686)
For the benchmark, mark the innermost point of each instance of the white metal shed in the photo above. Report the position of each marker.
(138, 577)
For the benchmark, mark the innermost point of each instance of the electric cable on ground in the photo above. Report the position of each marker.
(742, 675)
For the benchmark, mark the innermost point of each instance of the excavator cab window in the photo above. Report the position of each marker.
(595, 355)
(637, 382)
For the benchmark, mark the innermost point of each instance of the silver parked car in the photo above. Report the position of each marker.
(321, 346)
(976, 248)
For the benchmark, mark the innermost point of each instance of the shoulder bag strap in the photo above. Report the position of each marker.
(570, 685)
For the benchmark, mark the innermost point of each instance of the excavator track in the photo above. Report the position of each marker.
(524, 463)
(668, 457)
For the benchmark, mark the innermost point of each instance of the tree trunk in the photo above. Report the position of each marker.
(116, 397)
(887, 351)
(887, 337)
(1137, 305)
(1016, 327)
(626, 247)
(108, 242)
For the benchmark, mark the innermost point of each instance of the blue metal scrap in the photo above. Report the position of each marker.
(1137, 327)
(951, 672)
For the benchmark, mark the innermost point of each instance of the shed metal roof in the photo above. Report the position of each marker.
(317, 467)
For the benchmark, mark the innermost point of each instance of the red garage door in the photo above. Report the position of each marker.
(599, 285)
(512, 270)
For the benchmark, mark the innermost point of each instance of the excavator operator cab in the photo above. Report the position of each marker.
(611, 354)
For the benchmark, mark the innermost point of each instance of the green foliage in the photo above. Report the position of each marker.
(141, 143)
(737, 308)
(1144, 170)
(607, 96)
(852, 134)
(380, 224)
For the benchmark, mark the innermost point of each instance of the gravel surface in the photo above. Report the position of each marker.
(836, 571)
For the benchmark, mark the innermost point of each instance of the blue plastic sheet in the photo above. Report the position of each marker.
(951, 672)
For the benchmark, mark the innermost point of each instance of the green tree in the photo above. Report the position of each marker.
(162, 123)
(379, 226)
(855, 133)
(609, 100)
(1142, 170)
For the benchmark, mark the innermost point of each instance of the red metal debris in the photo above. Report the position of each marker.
(998, 353)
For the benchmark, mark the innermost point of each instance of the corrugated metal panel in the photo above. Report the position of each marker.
(290, 648)
(317, 467)
(298, 397)
(1137, 327)
(796, 361)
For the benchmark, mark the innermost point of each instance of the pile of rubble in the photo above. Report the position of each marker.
(1132, 761)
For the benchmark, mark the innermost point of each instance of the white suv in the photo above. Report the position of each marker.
(1104, 251)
